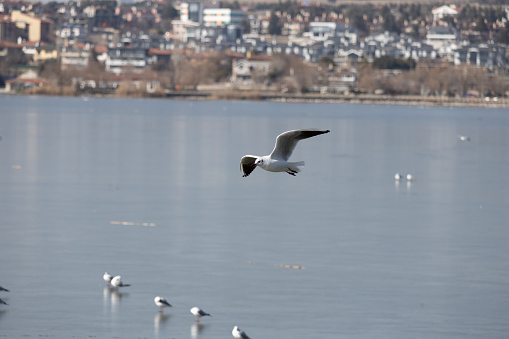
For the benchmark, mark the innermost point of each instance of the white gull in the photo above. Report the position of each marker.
(239, 334)
(161, 302)
(117, 282)
(107, 277)
(198, 312)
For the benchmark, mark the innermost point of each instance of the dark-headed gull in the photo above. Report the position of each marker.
(161, 303)
(117, 282)
(198, 312)
(3, 289)
(277, 161)
(107, 277)
(239, 334)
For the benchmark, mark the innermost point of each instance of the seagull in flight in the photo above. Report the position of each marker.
(239, 334)
(198, 312)
(161, 302)
(277, 161)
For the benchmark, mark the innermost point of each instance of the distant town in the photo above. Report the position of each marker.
(250, 50)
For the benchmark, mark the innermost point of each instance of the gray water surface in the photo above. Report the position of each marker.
(151, 190)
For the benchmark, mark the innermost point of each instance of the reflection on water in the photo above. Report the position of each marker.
(160, 322)
(197, 328)
(112, 298)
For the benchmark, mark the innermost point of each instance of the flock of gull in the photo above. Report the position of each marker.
(409, 177)
(116, 282)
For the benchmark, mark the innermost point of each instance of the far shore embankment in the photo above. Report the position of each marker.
(207, 93)
(264, 94)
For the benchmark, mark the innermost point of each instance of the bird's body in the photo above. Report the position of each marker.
(161, 303)
(239, 334)
(3, 289)
(107, 277)
(198, 312)
(117, 282)
(277, 161)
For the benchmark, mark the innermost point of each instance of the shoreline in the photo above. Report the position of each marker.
(365, 99)
(341, 98)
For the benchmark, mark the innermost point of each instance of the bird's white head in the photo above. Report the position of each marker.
(261, 161)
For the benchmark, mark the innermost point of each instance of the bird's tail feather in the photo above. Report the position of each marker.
(293, 167)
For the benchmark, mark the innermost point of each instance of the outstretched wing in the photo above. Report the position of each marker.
(247, 164)
(286, 142)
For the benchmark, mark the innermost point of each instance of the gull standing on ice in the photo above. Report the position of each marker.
(117, 282)
(161, 302)
(198, 312)
(107, 277)
(239, 334)
(277, 161)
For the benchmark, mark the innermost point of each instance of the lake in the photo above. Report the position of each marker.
(150, 189)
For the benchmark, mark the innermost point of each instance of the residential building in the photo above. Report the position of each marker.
(223, 16)
(77, 56)
(444, 11)
(191, 11)
(250, 68)
(184, 30)
(486, 55)
(327, 30)
(38, 28)
(438, 35)
(8, 29)
(45, 52)
(121, 59)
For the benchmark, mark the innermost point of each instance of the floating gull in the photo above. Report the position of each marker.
(409, 177)
(161, 303)
(463, 138)
(239, 334)
(277, 161)
(3, 302)
(397, 176)
(117, 282)
(198, 312)
(3, 289)
(107, 277)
